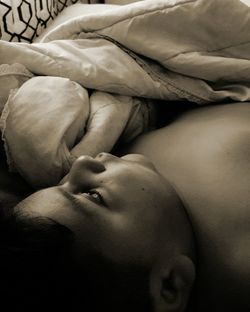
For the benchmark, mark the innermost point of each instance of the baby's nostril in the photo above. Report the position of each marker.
(102, 155)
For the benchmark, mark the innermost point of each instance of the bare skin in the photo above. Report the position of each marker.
(205, 156)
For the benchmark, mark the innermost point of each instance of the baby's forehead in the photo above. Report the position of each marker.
(25, 207)
(34, 203)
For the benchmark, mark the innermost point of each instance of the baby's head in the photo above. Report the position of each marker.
(117, 230)
(42, 121)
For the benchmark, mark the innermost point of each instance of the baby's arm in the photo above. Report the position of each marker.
(112, 118)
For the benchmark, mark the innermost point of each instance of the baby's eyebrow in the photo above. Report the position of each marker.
(70, 197)
(76, 203)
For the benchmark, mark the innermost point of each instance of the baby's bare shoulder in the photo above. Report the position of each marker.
(237, 139)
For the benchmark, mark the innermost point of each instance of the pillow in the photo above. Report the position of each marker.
(24, 20)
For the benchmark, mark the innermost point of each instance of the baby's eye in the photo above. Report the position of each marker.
(96, 197)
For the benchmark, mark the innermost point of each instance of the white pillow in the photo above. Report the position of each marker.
(23, 20)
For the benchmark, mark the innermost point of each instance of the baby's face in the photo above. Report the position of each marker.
(114, 206)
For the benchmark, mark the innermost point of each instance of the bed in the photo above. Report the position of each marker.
(140, 50)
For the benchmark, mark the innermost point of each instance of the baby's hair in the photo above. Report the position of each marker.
(34, 256)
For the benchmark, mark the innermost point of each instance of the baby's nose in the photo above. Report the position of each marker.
(83, 172)
(89, 163)
(107, 157)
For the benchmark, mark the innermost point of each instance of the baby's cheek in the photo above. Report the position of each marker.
(123, 241)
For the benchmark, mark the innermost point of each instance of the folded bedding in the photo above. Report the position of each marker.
(194, 50)
(39, 123)
(73, 11)
(155, 48)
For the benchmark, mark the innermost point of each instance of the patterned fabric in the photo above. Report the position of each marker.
(24, 20)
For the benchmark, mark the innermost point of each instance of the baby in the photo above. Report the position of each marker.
(47, 122)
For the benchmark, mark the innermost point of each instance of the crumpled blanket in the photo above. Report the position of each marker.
(176, 49)
(40, 122)
(193, 50)
(11, 77)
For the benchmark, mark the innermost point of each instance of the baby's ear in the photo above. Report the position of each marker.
(171, 285)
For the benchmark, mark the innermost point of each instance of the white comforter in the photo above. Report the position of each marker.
(197, 50)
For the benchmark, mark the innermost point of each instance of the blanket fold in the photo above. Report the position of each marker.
(177, 49)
